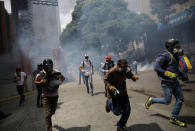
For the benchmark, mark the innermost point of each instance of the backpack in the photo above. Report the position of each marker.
(180, 69)
(89, 63)
(185, 63)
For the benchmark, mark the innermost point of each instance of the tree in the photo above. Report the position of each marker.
(104, 25)
(163, 8)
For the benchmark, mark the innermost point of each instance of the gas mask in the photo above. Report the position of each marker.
(48, 65)
(177, 50)
(122, 69)
(48, 68)
(107, 61)
(86, 58)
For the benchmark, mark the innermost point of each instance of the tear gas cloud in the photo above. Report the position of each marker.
(74, 51)
(45, 38)
(145, 67)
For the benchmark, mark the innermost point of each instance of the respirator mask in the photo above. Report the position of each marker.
(177, 50)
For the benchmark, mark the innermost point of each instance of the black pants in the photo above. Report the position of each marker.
(39, 89)
(20, 89)
(120, 106)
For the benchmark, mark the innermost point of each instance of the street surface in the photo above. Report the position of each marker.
(78, 111)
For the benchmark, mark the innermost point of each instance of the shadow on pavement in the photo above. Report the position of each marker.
(59, 103)
(191, 82)
(97, 93)
(144, 127)
(187, 90)
(182, 85)
(87, 128)
(141, 91)
(186, 119)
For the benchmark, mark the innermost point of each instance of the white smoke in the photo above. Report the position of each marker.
(7, 5)
(145, 67)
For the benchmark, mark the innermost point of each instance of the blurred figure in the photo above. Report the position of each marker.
(106, 67)
(81, 76)
(135, 67)
(39, 86)
(86, 68)
(50, 79)
(20, 78)
(167, 67)
(118, 100)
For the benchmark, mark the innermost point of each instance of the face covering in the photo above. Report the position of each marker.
(122, 69)
(177, 50)
(86, 58)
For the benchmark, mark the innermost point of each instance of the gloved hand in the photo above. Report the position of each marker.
(170, 74)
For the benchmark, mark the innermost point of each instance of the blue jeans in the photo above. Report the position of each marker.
(120, 106)
(170, 88)
(88, 79)
(81, 76)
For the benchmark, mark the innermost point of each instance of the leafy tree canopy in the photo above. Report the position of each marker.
(105, 25)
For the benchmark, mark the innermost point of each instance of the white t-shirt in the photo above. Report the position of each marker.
(21, 78)
(87, 67)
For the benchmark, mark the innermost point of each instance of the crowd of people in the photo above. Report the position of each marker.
(47, 81)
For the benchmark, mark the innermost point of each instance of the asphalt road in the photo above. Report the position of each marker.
(78, 111)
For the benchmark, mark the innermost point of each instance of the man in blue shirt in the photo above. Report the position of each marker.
(167, 67)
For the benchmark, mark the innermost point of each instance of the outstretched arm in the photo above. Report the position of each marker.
(39, 80)
(130, 75)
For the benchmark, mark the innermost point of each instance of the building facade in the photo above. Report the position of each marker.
(7, 31)
(46, 28)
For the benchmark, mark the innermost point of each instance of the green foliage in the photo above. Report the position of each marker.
(103, 23)
(163, 8)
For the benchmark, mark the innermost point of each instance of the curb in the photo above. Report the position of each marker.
(16, 97)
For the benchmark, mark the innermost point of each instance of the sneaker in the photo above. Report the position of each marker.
(177, 122)
(148, 103)
(107, 107)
